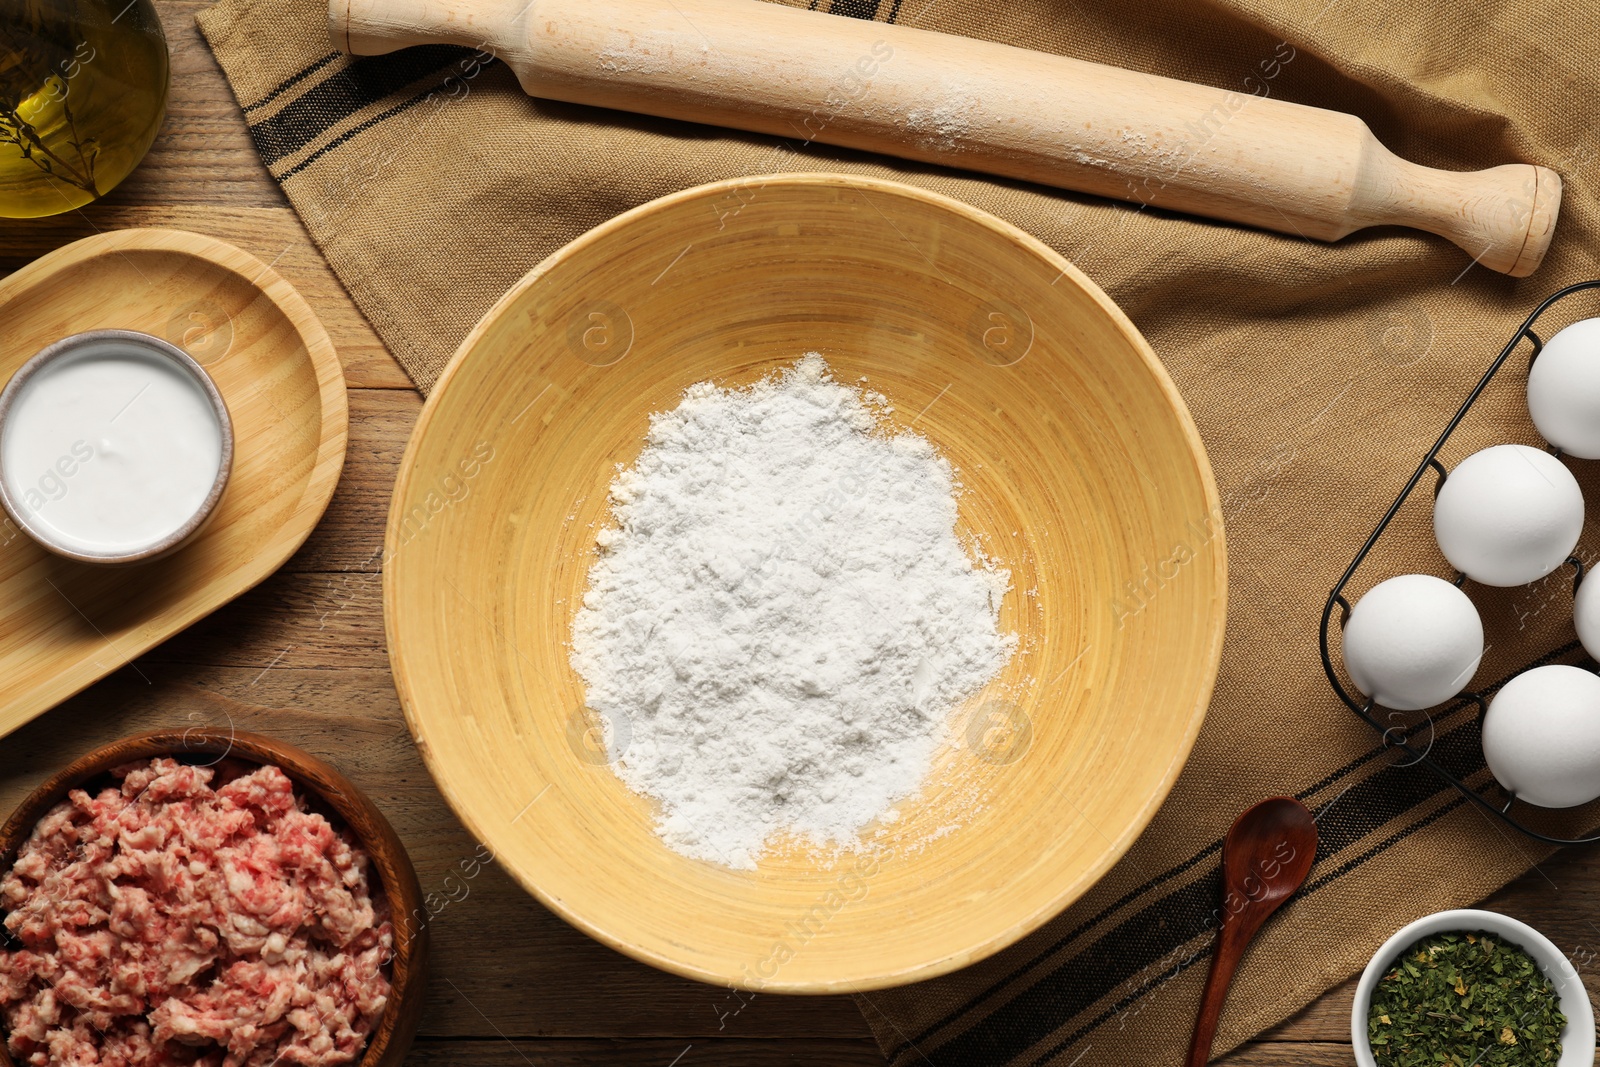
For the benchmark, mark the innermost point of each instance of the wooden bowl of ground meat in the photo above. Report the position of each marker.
(211, 898)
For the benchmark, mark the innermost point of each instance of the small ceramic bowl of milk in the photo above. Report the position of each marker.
(115, 447)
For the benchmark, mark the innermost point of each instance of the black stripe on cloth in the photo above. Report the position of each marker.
(1067, 939)
(360, 85)
(1459, 761)
(404, 105)
(290, 82)
(1164, 926)
(855, 9)
(1088, 924)
(1205, 953)
(1139, 942)
(1117, 905)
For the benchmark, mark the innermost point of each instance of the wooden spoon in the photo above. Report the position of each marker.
(1266, 856)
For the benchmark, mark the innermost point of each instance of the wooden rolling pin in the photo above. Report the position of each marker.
(809, 76)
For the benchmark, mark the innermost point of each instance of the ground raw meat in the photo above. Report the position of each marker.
(165, 921)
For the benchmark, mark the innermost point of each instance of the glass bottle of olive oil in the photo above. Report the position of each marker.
(83, 86)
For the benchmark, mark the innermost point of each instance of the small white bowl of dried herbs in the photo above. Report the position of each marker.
(1472, 988)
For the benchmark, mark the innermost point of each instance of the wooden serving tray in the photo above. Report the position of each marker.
(63, 625)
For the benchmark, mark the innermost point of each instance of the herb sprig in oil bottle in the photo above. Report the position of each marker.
(83, 86)
(1466, 1000)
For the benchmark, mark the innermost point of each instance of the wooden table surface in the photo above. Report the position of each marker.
(302, 657)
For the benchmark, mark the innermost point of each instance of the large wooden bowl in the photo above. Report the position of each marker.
(1086, 478)
(325, 788)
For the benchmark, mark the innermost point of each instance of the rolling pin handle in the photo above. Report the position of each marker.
(1503, 217)
(1505, 220)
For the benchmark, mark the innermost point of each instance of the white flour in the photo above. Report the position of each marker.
(782, 618)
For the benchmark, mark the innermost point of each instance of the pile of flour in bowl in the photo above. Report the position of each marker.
(782, 618)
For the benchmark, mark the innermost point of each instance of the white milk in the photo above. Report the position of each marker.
(110, 449)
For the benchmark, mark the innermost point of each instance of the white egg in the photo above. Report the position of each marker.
(1508, 515)
(1413, 642)
(1586, 613)
(1564, 390)
(1541, 737)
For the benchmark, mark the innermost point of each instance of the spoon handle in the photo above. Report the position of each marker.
(1232, 939)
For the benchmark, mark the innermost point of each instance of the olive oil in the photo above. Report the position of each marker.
(83, 86)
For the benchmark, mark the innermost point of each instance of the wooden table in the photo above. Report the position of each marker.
(302, 657)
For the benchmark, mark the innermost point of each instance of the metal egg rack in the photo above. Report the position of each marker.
(1407, 738)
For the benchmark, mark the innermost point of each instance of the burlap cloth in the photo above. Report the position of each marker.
(1317, 375)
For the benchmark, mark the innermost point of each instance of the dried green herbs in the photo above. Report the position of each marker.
(1467, 1000)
